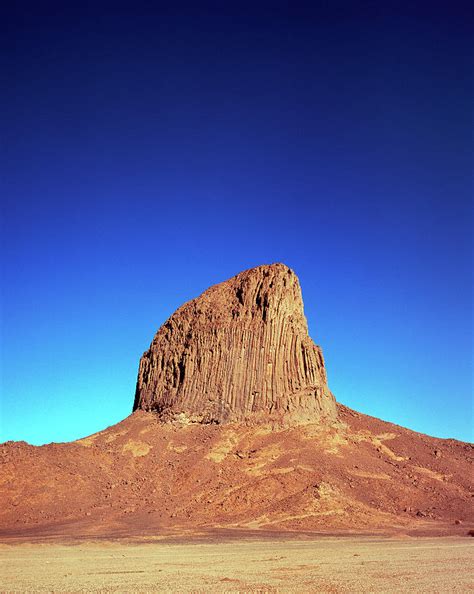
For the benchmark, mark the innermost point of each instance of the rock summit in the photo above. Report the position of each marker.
(238, 352)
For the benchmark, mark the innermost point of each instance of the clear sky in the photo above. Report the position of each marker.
(150, 152)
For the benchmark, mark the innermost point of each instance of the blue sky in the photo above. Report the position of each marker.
(149, 153)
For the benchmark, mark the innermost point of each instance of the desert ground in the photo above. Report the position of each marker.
(248, 564)
(364, 506)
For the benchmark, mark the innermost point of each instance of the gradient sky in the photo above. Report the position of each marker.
(148, 153)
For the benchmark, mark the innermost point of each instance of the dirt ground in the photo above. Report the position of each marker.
(324, 564)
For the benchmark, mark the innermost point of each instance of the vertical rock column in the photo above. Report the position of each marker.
(240, 351)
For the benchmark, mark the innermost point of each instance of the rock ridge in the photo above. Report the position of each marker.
(238, 352)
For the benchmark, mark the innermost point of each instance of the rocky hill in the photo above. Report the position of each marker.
(234, 428)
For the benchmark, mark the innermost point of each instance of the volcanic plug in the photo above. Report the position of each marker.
(239, 352)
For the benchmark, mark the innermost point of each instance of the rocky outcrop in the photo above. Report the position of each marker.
(240, 351)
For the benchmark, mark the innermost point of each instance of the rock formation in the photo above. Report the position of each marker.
(239, 352)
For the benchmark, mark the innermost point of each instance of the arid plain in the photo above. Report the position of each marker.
(243, 564)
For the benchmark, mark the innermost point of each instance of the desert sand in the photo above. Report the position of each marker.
(282, 564)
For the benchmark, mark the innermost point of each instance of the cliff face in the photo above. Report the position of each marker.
(240, 351)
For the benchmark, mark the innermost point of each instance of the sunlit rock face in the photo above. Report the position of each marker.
(239, 352)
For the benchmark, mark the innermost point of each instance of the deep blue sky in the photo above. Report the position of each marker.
(148, 153)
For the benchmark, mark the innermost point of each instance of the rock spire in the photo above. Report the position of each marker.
(239, 352)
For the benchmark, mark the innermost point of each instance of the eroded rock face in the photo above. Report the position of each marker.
(240, 351)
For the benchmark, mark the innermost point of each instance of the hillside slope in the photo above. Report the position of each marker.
(143, 477)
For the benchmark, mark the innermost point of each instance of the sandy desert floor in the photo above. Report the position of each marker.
(326, 564)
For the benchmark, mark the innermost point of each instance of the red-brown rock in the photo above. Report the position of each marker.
(240, 351)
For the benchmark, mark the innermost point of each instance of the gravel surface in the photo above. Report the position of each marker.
(343, 564)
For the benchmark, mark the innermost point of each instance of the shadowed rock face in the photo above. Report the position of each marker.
(240, 351)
